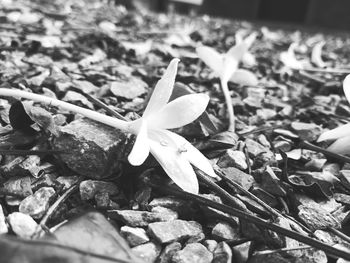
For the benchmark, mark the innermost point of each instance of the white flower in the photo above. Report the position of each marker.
(174, 153)
(342, 133)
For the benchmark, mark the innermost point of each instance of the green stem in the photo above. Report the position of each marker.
(110, 121)
(228, 100)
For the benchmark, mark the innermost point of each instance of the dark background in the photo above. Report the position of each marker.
(318, 13)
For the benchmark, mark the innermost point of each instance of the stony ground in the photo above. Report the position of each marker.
(68, 192)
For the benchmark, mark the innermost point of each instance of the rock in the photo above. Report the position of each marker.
(168, 252)
(233, 158)
(254, 148)
(3, 225)
(102, 199)
(241, 252)
(19, 186)
(222, 253)
(148, 252)
(128, 90)
(134, 235)
(165, 212)
(37, 204)
(307, 131)
(266, 113)
(243, 179)
(224, 231)
(140, 218)
(168, 202)
(196, 239)
(317, 218)
(342, 198)
(311, 256)
(268, 258)
(166, 232)
(89, 188)
(22, 225)
(78, 99)
(92, 148)
(194, 252)
(282, 145)
(210, 244)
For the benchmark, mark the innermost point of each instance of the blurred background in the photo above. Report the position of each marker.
(315, 13)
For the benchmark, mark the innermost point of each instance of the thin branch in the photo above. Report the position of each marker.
(252, 219)
(228, 100)
(312, 147)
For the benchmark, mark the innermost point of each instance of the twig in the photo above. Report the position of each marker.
(220, 191)
(58, 202)
(285, 249)
(327, 70)
(272, 211)
(252, 219)
(228, 100)
(31, 152)
(339, 234)
(312, 147)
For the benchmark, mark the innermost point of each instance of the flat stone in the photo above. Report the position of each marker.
(20, 186)
(89, 188)
(243, 179)
(148, 252)
(102, 199)
(224, 231)
(37, 204)
(128, 90)
(191, 253)
(168, 202)
(93, 149)
(140, 218)
(134, 235)
(233, 158)
(176, 230)
(307, 131)
(168, 252)
(3, 225)
(22, 224)
(317, 218)
(222, 253)
(254, 148)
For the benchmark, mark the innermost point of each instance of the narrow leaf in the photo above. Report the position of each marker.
(316, 55)
(211, 58)
(346, 87)
(179, 112)
(336, 133)
(163, 89)
(341, 146)
(140, 151)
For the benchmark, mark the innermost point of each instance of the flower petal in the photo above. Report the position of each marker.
(179, 112)
(192, 154)
(316, 55)
(176, 166)
(289, 60)
(244, 77)
(163, 89)
(140, 151)
(346, 87)
(336, 133)
(211, 57)
(341, 146)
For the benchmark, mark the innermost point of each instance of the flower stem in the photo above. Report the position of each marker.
(110, 121)
(231, 115)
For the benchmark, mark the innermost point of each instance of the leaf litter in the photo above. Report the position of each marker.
(279, 164)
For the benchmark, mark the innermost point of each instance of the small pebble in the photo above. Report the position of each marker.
(89, 188)
(222, 253)
(194, 252)
(37, 204)
(233, 158)
(22, 225)
(176, 230)
(224, 231)
(148, 252)
(168, 252)
(134, 235)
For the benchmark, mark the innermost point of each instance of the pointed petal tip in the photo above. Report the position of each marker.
(346, 87)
